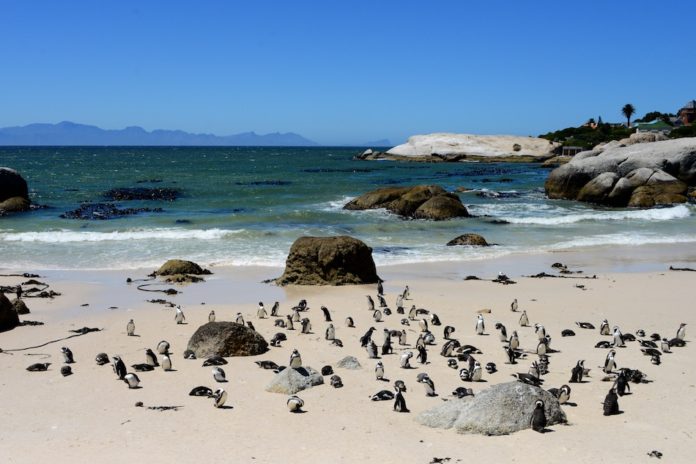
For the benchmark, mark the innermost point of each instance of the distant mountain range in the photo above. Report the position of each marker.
(70, 133)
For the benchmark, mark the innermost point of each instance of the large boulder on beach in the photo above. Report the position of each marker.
(179, 267)
(338, 260)
(20, 306)
(641, 174)
(419, 202)
(468, 239)
(8, 316)
(498, 410)
(292, 380)
(226, 339)
(14, 192)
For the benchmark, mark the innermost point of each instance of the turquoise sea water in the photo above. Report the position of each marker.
(245, 206)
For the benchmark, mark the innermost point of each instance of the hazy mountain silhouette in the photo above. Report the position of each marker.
(70, 133)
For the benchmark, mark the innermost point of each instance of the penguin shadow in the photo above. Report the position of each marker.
(226, 407)
(383, 380)
(134, 335)
(137, 387)
(483, 335)
(299, 411)
(546, 430)
(221, 381)
(572, 405)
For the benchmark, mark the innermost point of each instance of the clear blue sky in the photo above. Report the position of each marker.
(342, 72)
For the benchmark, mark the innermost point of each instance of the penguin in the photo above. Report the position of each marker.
(681, 331)
(119, 367)
(261, 311)
(277, 338)
(274, 309)
(330, 333)
(524, 320)
(279, 323)
(655, 360)
(461, 392)
(370, 303)
(387, 346)
(250, 325)
(142, 367)
(621, 384)
(604, 328)
(239, 319)
(211, 316)
(295, 404)
(609, 362)
(480, 326)
(306, 325)
(335, 381)
(295, 315)
(510, 354)
(349, 322)
(429, 338)
(477, 373)
(67, 355)
(101, 359)
(377, 315)
(502, 332)
(132, 380)
(447, 332)
(179, 316)
(434, 319)
(528, 379)
(201, 391)
(65, 371)
(422, 355)
(266, 364)
(288, 323)
(540, 331)
(382, 395)
(664, 346)
(214, 360)
(651, 352)
(405, 321)
(538, 421)
(640, 333)
(618, 338)
(567, 333)
(534, 370)
(219, 374)
(163, 347)
(563, 394)
(648, 344)
(41, 367)
(380, 289)
(428, 383)
(405, 358)
(327, 315)
(611, 403)
(514, 341)
(412, 313)
(491, 368)
(603, 344)
(577, 372)
(448, 348)
(295, 360)
(365, 339)
(371, 350)
(189, 354)
(219, 397)
(151, 358)
(382, 301)
(379, 370)
(514, 306)
(166, 362)
(337, 342)
(464, 374)
(585, 325)
(406, 293)
(541, 347)
(399, 401)
(452, 363)
(402, 338)
(130, 328)
(420, 342)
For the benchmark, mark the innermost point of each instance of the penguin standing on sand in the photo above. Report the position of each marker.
(422, 355)
(428, 383)
(132, 380)
(295, 360)
(130, 328)
(406, 293)
(681, 331)
(219, 397)
(577, 372)
(219, 374)
(274, 309)
(239, 319)
(387, 345)
(379, 370)
(402, 338)
(423, 324)
(327, 315)
(179, 316)
(611, 403)
(480, 326)
(163, 347)
(618, 337)
(514, 341)
(524, 320)
(502, 331)
(151, 358)
(405, 360)
(365, 339)
(609, 362)
(541, 347)
(604, 328)
(211, 316)
(166, 362)
(330, 332)
(119, 367)
(399, 401)
(349, 322)
(664, 346)
(540, 331)
(371, 350)
(377, 315)
(477, 372)
(295, 403)
(261, 311)
(67, 355)
(448, 332)
(380, 289)
(306, 325)
(538, 421)
(370, 303)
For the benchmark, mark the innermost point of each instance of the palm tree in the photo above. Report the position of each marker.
(628, 110)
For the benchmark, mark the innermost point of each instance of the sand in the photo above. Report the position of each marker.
(91, 415)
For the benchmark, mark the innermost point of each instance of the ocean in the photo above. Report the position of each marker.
(245, 206)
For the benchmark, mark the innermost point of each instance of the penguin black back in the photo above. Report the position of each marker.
(611, 403)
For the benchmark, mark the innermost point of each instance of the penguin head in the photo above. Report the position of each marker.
(539, 404)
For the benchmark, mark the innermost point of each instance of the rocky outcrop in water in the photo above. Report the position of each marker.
(104, 211)
(468, 239)
(14, 192)
(226, 339)
(179, 267)
(499, 410)
(142, 193)
(329, 261)
(642, 174)
(8, 316)
(419, 202)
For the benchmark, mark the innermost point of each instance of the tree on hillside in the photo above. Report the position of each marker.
(628, 110)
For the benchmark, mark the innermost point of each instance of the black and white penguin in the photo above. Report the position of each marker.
(528, 379)
(461, 392)
(382, 395)
(449, 347)
(434, 319)
(567, 333)
(306, 325)
(295, 359)
(524, 320)
(428, 338)
(405, 360)
(377, 315)
(382, 301)
(610, 362)
(370, 303)
(327, 315)
(371, 349)
(387, 346)
(67, 355)
(510, 354)
(538, 421)
(214, 360)
(219, 398)
(502, 332)
(379, 370)
(540, 331)
(399, 401)
(119, 367)
(189, 354)
(585, 325)
(412, 313)
(349, 322)
(151, 358)
(130, 328)
(422, 355)
(295, 403)
(665, 346)
(402, 338)
(261, 311)
(201, 391)
(40, 367)
(330, 333)
(367, 337)
(618, 338)
(266, 365)
(179, 317)
(274, 309)
(452, 363)
(578, 371)
(380, 288)
(163, 347)
(514, 341)
(250, 325)
(289, 324)
(562, 394)
(132, 380)
(219, 374)
(681, 331)
(480, 325)
(491, 368)
(514, 305)
(143, 367)
(66, 371)
(335, 381)
(101, 359)
(447, 332)
(603, 344)
(406, 293)
(295, 315)
(621, 383)
(239, 319)
(427, 383)
(278, 338)
(611, 403)
(211, 316)
(541, 346)
(166, 362)
(604, 328)
(477, 372)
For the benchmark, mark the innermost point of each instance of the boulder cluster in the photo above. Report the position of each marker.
(419, 202)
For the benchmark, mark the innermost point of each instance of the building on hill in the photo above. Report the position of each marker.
(656, 125)
(687, 114)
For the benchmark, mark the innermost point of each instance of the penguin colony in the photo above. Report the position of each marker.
(460, 357)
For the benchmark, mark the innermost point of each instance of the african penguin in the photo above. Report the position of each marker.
(538, 421)
(130, 328)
